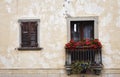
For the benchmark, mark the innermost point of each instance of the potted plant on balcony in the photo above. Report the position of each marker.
(80, 67)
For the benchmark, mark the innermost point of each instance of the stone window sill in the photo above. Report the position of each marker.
(30, 48)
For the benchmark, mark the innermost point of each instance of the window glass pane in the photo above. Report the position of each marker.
(75, 33)
(88, 31)
(81, 30)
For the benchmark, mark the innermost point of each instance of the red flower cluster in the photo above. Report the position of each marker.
(84, 44)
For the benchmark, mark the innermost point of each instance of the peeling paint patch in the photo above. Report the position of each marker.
(8, 1)
(106, 43)
(104, 0)
(30, 14)
(107, 60)
(10, 49)
(118, 18)
(108, 48)
(51, 56)
(106, 38)
(106, 20)
(8, 9)
(8, 62)
(82, 1)
(43, 63)
(92, 8)
(98, 1)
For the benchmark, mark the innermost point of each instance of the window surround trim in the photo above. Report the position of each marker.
(94, 18)
(38, 34)
(26, 20)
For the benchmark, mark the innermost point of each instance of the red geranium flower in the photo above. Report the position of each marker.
(84, 44)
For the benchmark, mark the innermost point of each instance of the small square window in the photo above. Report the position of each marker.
(29, 34)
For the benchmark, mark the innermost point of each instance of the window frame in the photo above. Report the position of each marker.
(94, 18)
(38, 35)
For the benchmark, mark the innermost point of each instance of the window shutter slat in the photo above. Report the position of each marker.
(25, 35)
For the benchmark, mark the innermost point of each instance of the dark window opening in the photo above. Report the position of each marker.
(29, 35)
(81, 30)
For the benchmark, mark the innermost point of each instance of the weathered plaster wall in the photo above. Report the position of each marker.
(53, 30)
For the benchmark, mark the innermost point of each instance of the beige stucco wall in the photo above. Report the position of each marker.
(53, 30)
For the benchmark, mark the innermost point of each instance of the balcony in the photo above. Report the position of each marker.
(94, 56)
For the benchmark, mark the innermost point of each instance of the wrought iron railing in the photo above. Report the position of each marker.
(94, 56)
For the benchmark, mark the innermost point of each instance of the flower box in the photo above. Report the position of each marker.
(84, 44)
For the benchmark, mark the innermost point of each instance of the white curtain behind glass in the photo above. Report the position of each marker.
(87, 32)
(75, 33)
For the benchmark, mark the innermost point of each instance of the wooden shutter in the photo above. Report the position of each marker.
(33, 34)
(29, 34)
